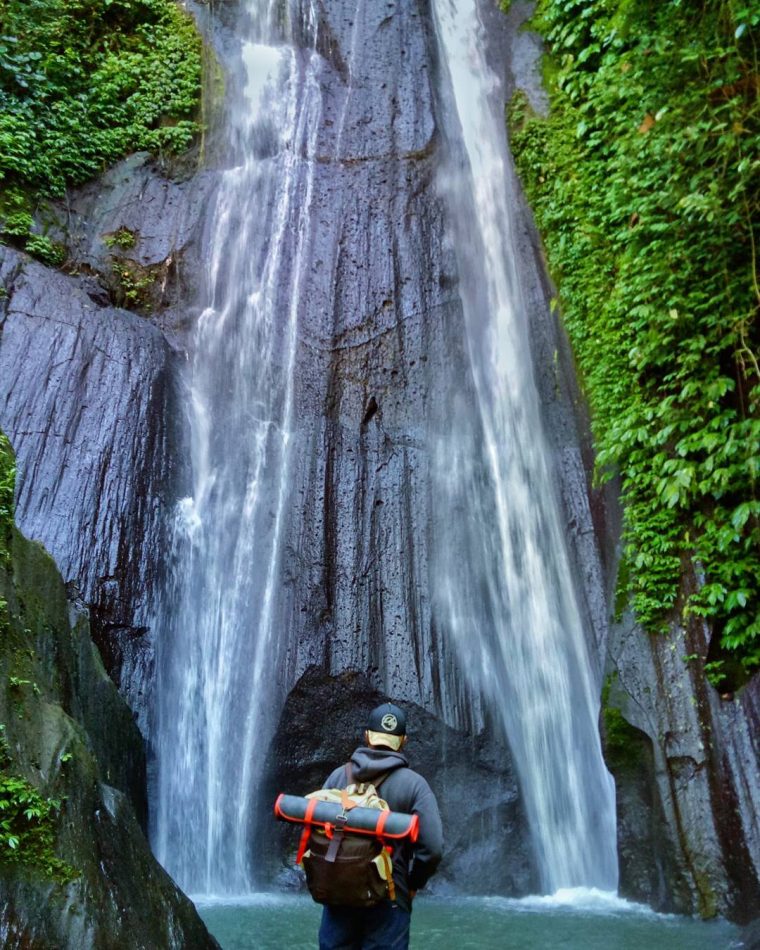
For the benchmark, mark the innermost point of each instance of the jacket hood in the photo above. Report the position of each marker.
(370, 763)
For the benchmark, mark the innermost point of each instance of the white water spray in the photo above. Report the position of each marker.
(505, 584)
(217, 619)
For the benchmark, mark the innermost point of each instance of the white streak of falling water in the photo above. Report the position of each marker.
(506, 586)
(216, 624)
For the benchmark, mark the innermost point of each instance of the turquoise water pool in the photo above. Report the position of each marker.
(572, 921)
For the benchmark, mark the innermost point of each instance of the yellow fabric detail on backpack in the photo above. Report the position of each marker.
(384, 867)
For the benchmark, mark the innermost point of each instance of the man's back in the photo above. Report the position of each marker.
(381, 762)
(405, 791)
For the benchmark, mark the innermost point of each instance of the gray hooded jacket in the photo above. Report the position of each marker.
(405, 791)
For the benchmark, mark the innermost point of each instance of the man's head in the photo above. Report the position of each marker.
(386, 727)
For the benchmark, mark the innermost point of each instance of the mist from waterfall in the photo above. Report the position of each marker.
(505, 587)
(217, 617)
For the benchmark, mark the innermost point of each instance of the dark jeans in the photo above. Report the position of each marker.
(382, 927)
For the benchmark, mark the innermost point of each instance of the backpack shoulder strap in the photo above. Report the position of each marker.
(379, 781)
(349, 766)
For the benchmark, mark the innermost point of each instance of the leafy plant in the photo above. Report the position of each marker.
(123, 238)
(27, 824)
(84, 82)
(45, 250)
(133, 284)
(645, 181)
(7, 484)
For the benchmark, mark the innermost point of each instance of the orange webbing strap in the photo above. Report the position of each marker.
(381, 822)
(306, 829)
(384, 815)
(389, 874)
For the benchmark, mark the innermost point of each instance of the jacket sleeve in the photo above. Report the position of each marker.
(428, 849)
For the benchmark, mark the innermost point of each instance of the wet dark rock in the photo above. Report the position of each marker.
(134, 232)
(705, 769)
(86, 395)
(486, 842)
(750, 936)
(649, 871)
(381, 357)
(72, 736)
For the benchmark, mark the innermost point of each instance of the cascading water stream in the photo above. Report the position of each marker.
(214, 674)
(507, 600)
(505, 584)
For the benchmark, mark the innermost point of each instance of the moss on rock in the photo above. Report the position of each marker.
(79, 873)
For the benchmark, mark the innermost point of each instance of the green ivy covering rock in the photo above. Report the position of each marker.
(83, 83)
(645, 182)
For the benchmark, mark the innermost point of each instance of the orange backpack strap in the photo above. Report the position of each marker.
(306, 830)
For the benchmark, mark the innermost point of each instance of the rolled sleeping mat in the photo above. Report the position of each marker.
(393, 825)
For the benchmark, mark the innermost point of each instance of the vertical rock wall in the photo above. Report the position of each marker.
(705, 774)
(68, 732)
(85, 398)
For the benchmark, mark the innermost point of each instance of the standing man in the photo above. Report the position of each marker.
(385, 926)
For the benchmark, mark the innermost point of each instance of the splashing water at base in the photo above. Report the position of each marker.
(505, 589)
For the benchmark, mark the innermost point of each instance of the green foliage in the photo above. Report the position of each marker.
(133, 284)
(83, 82)
(645, 180)
(123, 238)
(45, 250)
(7, 484)
(27, 824)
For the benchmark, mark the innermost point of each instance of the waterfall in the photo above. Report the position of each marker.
(217, 617)
(279, 255)
(505, 587)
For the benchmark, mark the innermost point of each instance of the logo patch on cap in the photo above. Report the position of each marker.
(389, 722)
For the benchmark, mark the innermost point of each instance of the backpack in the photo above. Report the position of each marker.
(344, 868)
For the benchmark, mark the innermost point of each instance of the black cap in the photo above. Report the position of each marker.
(389, 719)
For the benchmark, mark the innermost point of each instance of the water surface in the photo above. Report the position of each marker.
(593, 921)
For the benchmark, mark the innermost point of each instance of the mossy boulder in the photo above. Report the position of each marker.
(81, 875)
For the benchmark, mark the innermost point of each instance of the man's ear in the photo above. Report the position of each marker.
(366, 737)
(403, 741)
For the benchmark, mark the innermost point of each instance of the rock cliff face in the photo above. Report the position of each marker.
(69, 733)
(86, 394)
(95, 419)
(91, 397)
(701, 755)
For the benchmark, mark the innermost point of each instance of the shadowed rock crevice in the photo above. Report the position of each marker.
(305, 751)
(705, 780)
